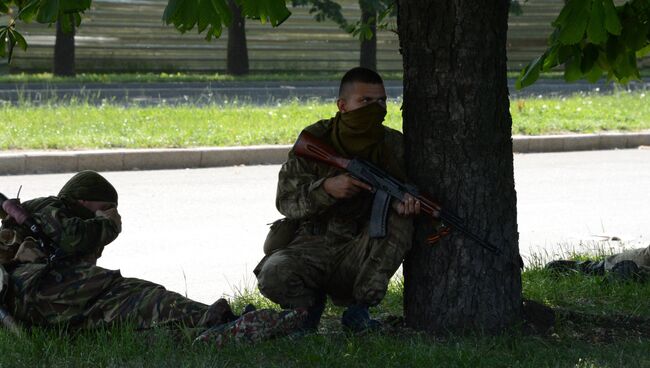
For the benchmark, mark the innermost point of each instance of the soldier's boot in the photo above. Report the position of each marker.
(625, 271)
(219, 313)
(586, 267)
(314, 313)
(562, 266)
(592, 267)
(248, 308)
(357, 319)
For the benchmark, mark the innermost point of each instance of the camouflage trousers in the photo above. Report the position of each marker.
(86, 296)
(640, 256)
(351, 271)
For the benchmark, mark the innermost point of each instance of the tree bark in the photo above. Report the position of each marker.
(457, 130)
(368, 51)
(237, 56)
(64, 63)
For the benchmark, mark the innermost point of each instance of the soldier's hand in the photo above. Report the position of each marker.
(344, 186)
(410, 206)
(113, 216)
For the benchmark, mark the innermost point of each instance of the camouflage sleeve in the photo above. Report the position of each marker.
(300, 189)
(76, 235)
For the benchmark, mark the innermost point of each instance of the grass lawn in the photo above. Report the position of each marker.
(174, 77)
(81, 125)
(580, 343)
(211, 77)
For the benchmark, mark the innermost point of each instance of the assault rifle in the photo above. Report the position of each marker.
(385, 188)
(13, 208)
(6, 319)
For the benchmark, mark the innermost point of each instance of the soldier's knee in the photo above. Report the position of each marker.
(275, 276)
(371, 295)
(400, 230)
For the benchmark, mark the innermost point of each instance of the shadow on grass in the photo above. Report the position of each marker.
(600, 324)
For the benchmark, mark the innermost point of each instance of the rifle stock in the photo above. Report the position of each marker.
(13, 208)
(311, 147)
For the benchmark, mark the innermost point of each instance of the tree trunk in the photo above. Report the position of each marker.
(237, 58)
(459, 149)
(64, 65)
(368, 51)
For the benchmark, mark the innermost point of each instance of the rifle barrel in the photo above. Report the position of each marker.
(457, 223)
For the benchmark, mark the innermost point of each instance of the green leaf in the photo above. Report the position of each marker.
(3, 41)
(530, 73)
(594, 74)
(612, 23)
(4, 8)
(634, 33)
(564, 53)
(206, 15)
(551, 60)
(572, 71)
(20, 40)
(602, 61)
(614, 48)
(190, 15)
(596, 29)
(66, 23)
(48, 11)
(589, 57)
(170, 10)
(643, 52)
(273, 11)
(625, 67)
(29, 10)
(77, 19)
(214, 31)
(12, 43)
(74, 6)
(574, 30)
(561, 19)
(223, 10)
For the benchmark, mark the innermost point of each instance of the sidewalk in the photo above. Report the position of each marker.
(38, 162)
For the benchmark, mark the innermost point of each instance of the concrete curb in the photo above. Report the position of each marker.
(579, 142)
(39, 162)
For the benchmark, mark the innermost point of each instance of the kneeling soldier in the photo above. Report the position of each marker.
(332, 252)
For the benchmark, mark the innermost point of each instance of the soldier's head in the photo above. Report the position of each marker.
(360, 87)
(91, 190)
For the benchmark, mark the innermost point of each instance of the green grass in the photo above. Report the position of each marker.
(212, 77)
(119, 346)
(581, 113)
(69, 127)
(176, 77)
(79, 125)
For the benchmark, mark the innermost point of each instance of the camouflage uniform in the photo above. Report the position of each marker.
(332, 251)
(77, 293)
(641, 257)
(632, 264)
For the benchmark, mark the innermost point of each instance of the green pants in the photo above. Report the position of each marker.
(355, 270)
(85, 296)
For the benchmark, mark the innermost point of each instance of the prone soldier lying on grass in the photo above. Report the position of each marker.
(632, 264)
(70, 289)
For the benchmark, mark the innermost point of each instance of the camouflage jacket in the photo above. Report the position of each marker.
(71, 226)
(301, 196)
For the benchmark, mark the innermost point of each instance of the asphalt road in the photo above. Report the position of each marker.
(250, 92)
(200, 231)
